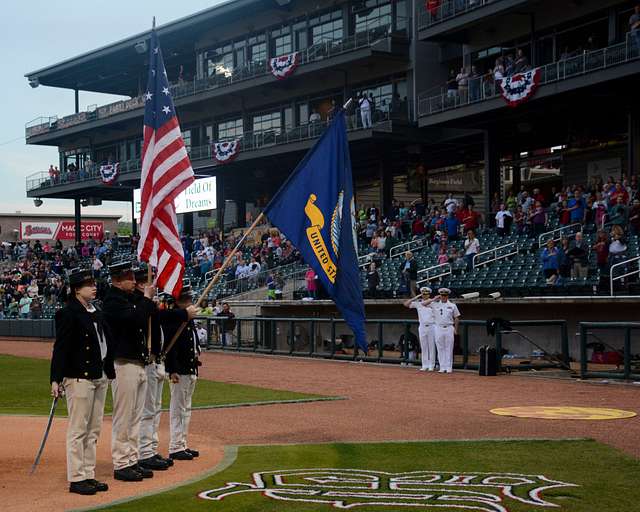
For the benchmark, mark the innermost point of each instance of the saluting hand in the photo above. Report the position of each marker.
(192, 311)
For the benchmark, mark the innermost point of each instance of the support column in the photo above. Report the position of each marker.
(77, 217)
(633, 142)
(386, 187)
(134, 223)
(516, 175)
(612, 26)
(188, 223)
(220, 203)
(491, 169)
(241, 216)
(77, 99)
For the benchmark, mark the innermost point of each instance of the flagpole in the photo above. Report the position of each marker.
(216, 278)
(149, 269)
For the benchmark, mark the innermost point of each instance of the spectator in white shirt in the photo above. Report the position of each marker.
(471, 248)
(503, 220)
(365, 111)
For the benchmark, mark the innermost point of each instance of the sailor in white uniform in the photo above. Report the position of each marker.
(447, 318)
(426, 329)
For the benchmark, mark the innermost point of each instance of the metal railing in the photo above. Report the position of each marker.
(499, 253)
(624, 265)
(249, 141)
(251, 70)
(444, 269)
(398, 250)
(559, 233)
(627, 372)
(447, 10)
(486, 87)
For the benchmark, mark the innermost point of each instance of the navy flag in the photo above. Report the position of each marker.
(315, 209)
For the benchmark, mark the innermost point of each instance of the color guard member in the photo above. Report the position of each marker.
(128, 323)
(80, 367)
(182, 366)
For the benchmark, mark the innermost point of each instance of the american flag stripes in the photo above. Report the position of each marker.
(166, 171)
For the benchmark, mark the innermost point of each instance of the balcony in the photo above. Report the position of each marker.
(381, 40)
(453, 17)
(568, 74)
(253, 144)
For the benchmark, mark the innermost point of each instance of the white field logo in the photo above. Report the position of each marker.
(350, 488)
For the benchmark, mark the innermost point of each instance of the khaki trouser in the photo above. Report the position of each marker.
(180, 412)
(85, 404)
(129, 390)
(151, 412)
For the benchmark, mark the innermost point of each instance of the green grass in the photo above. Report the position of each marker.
(607, 479)
(29, 390)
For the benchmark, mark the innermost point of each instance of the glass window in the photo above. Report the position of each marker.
(208, 134)
(288, 118)
(270, 121)
(258, 52)
(378, 17)
(230, 129)
(282, 45)
(301, 39)
(220, 62)
(186, 137)
(329, 31)
(303, 114)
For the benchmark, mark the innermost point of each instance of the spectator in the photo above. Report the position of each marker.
(474, 84)
(463, 84)
(579, 256)
(470, 218)
(452, 225)
(634, 27)
(550, 262)
(576, 206)
(634, 218)
(521, 64)
(228, 324)
(310, 278)
(601, 248)
(564, 260)
(25, 306)
(600, 209)
(452, 86)
(503, 221)
(511, 202)
(618, 246)
(520, 221)
(471, 248)
(373, 280)
(618, 212)
(365, 111)
(410, 273)
(538, 218)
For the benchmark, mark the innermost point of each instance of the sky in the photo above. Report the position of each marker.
(39, 33)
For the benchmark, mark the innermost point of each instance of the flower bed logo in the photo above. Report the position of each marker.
(350, 488)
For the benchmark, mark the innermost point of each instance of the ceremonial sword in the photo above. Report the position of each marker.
(46, 435)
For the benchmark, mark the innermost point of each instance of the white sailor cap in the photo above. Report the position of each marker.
(425, 289)
(444, 291)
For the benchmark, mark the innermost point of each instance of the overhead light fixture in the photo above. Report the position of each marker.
(34, 82)
(141, 47)
(37, 202)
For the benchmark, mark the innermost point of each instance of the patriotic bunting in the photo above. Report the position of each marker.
(520, 87)
(282, 67)
(225, 152)
(109, 173)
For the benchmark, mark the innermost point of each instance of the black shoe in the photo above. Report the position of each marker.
(83, 487)
(160, 457)
(129, 474)
(100, 486)
(183, 455)
(154, 464)
(195, 453)
(145, 472)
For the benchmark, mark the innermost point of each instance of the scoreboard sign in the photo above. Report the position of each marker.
(63, 230)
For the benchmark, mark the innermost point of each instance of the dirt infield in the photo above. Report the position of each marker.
(384, 404)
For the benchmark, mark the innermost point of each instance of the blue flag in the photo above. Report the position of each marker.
(315, 209)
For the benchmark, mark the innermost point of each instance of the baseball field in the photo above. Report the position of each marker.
(309, 435)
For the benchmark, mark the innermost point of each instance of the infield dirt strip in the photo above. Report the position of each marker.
(384, 404)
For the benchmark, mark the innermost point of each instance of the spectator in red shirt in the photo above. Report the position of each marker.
(470, 219)
(619, 191)
(564, 213)
(601, 248)
(417, 228)
(538, 196)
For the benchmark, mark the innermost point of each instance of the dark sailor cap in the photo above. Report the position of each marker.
(120, 268)
(78, 276)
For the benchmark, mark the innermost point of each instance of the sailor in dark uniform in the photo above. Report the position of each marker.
(149, 456)
(128, 320)
(182, 366)
(80, 368)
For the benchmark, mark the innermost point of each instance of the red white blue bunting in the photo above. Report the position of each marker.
(225, 152)
(109, 173)
(282, 67)
(518, 88)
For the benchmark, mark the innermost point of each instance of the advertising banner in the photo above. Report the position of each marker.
(63, 230)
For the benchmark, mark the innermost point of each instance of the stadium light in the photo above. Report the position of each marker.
(37, 202)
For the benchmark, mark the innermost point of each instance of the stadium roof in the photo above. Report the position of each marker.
(118, 67)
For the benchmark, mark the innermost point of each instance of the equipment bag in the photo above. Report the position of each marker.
(488, 362)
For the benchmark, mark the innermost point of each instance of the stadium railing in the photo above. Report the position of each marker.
(627, 372)
(497, 253)
(627, 272)
(299, 337)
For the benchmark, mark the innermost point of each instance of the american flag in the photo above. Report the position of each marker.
(166, 171)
